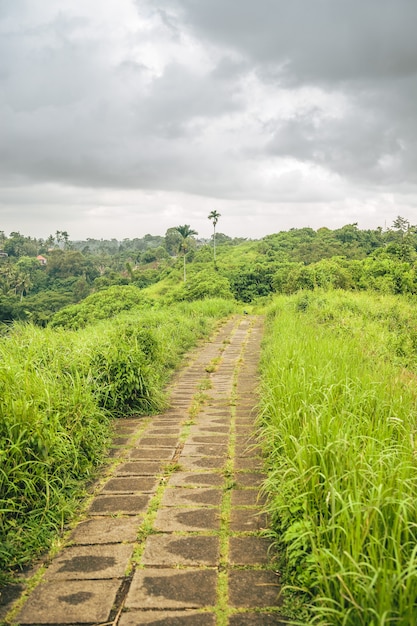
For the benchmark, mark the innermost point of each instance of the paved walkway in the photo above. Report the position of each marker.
(173, 535)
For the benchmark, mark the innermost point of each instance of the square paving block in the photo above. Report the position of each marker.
(139, 468)
(178, 496)
(204, 450)
(181, 550)
(254, 588)
(249, 550)
(194, 479)
(87, 562)
(168, 618)
(247, 520)
(210, 439)
(208, 429)
(247, 497)
(253, 479)
(128, 504)
(171, 589)
(131, 484)
(70, 602)
(106, 530)
(205, 462)
(159, 442)
(249, 463)
(164, 431)
(154, 454)
(174, 519)
(248, 449)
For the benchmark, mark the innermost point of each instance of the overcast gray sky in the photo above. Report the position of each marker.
(125, 117)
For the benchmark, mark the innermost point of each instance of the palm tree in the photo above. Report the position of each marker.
(186, 233)
(214, 217)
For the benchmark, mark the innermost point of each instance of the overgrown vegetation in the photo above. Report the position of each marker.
(34, 287)
(58, 390)
(338, 416)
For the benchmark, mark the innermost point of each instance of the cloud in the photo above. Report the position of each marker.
(244, 105)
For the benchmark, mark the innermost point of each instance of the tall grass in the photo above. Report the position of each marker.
(58, 390)
(339, 427)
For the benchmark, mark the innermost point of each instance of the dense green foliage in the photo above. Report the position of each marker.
(338, 415)
(58, 389)
(346, 258)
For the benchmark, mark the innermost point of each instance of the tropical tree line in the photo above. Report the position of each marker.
(33, 288)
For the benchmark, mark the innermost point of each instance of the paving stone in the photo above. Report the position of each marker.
(8, 596)
(120, 441)
(70, 602)
(253, 588)
(155, 454)
(204, 450)
(168, 431)
(248, 450)
(159, 442)
(249, 550)
(173, 519)
(244, 479)
(208, 439)
(247, 497)
(109, 505)
(194, 479)
(87, 562)
(178, 496)
(168, 618)
(170, 588)
(106, 530)
(131, 484)
(257, 619)
(248, 463)
(198, 429)
(247, 520)
(181, 550)
(206, 462)
(139, 468)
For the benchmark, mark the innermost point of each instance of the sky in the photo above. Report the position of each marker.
(120, 118)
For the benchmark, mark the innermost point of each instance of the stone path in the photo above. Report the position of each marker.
(173, 535)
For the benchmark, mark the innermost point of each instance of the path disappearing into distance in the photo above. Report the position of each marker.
(173, 532)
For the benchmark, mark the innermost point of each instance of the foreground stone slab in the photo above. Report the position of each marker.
(173, 519)
(109, 505)
(178, 496)
(205, 462)
(106, 530)
(194, 479)
(247, 497)
(244, 479)
(199, 450)
(131, 484)
(139, 468)
(177, 550)
(86, 562)
(253, 588)
(168, 618)
(249, 550)
(171, 589)
(155, 454)
(70, 602)
(247, 520)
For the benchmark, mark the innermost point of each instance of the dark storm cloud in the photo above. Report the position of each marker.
(317, 40)
(294, 101)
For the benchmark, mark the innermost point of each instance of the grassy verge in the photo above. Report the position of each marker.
(339, 427)
(58, 390)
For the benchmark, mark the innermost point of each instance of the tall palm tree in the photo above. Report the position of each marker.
(214, 217)
(186, 233)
